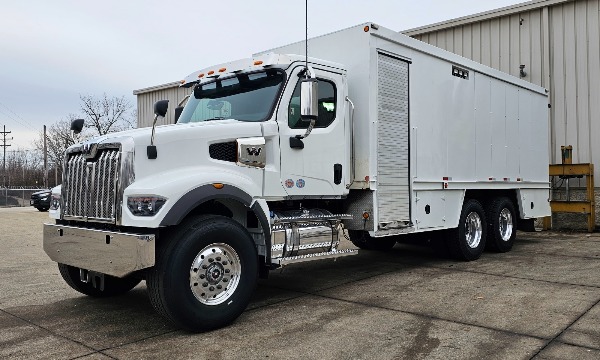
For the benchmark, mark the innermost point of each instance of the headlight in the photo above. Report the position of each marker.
(145, 205)
(55, 202)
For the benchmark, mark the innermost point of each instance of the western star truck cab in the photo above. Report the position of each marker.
(273, 156)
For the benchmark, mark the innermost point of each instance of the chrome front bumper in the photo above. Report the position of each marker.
(112, 253)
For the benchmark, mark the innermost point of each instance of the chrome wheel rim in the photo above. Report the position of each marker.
(215, 274)
(473, 230)
(506, 224)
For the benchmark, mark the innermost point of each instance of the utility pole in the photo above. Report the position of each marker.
(45, 161)
(4, 146)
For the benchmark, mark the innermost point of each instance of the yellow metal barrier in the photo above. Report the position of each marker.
(588, 206)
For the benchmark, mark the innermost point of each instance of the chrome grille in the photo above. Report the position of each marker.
(90, 186)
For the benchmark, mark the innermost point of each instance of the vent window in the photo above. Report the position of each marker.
(226, 151)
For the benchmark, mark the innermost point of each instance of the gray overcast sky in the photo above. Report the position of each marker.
(52, 51)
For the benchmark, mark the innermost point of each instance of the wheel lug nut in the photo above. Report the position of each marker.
(212, 288)
(211, 260)
(205, 267)
(224, 280)
(218, 258)
(227, 271)
(205, 284)
(202, 276)
(224, 262)
(219, 287)
(195, 284)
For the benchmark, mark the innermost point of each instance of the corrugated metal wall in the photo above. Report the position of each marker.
(146, 100)
(502, 43)
(559, 45)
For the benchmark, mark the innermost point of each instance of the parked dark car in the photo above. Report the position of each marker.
(41, 200)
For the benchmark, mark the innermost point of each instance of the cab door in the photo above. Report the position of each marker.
(318, 165)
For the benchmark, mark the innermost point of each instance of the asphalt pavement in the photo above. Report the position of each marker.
(540, 301)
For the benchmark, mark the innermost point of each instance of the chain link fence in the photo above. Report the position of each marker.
(12, 197)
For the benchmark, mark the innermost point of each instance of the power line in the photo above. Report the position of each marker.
(20, 122)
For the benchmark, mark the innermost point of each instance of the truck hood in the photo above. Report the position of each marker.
(177, 145)
(139, 134)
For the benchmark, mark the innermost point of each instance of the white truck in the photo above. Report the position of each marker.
(274, 156)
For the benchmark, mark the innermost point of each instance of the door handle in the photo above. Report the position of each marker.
(337, 173)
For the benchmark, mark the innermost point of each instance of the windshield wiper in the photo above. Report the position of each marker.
(216, 118)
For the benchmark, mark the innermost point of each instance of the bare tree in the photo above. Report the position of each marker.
(24, 168)
(58, 139)
(106, 115)
(102, 115)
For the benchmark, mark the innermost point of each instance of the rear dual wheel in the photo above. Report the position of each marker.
(502, 221)
(467, 242)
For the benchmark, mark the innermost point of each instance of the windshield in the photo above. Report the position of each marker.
(244, 97)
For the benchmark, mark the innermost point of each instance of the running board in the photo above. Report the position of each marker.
(316, 256)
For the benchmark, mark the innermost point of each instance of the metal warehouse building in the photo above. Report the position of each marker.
(556, 43)
(552, 43)
(148, 96)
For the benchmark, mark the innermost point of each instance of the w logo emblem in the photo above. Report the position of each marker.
(253, 151)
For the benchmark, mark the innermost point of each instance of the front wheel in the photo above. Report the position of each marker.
(111, 285)
(205, 275)
(468, 240)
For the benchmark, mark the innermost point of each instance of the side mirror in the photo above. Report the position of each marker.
(161, 107)
(77, 125)
(309, 99)
(178, 111)
(309, 108)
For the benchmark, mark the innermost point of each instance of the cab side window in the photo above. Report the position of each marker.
(327, 106)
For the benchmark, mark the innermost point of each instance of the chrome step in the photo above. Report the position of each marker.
(310, 218)
(315, 256)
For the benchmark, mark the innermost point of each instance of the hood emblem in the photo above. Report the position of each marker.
(255, 151)
(89, 150)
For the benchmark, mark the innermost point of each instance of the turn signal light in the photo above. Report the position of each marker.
(218, 185)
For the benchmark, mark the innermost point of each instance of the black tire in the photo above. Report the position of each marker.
(179, 286)
(502, 225)
(467, 242)
(112, 285)
(42, 209)
(363, 240)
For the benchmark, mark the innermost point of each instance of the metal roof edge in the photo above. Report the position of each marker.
(440, 53)
(156, 88)
(507, 10)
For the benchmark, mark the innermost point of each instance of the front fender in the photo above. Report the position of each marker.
(185, 188)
